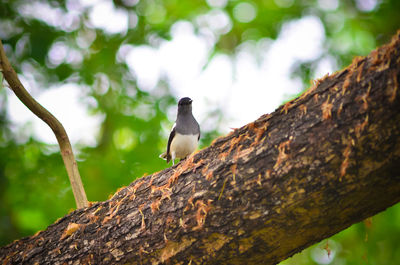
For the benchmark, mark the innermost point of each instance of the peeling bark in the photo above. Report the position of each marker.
(318, 164)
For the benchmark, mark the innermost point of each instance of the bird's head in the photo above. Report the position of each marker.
(185, 105)
(185, 101)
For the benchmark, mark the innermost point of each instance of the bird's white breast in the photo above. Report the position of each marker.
(184, 145)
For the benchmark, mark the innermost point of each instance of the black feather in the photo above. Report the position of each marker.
(171, 136)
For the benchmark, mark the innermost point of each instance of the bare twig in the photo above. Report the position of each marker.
(65, 146)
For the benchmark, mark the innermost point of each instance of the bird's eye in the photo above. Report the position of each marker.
(185, 101)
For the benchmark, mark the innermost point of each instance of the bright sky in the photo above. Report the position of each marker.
(243, 88)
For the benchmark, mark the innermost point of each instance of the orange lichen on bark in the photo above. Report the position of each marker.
(143, 225)
(386, 56)
(118, 218)
(237, 154)
(155, 205)
(204, 170)
(116, 193)
(112, 212)
(198, 164)
(242, 153)
(182, 223)
(384, 65)
(326, 109)
(266, 126)
(287, 106)
(201, 213)
(360, 127)
(251, 126)
(314, 84)
(375, 58)
(340, 109)
(174, 176)
(316, 97)
(233, 170)
(56, 250)
(189, 205)
(360, 71)
(259, 133)
(282, 153)
(93, 218)
(268, 173)
(394, 40)
(346, 83)
(141, 251)
(356, 62)
(345, 162)
(364, 99)
(235, 142)
(97, 210)
(133, 196)
(392, 94)
(166, 194)
(259, 179)
(303, 109)
(71, 228)
(222, 147)
(209, 175)
(159, 188)
(186, 166)
(222, 156)
(188, 163)
(190, 201)
(137, 185)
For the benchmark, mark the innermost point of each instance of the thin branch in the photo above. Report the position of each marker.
(65, 146)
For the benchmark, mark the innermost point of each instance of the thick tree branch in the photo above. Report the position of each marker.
(65, 147)
(318, 164)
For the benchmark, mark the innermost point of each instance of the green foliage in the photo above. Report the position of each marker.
(34, 188)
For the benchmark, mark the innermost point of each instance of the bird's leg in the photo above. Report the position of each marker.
(173, 158)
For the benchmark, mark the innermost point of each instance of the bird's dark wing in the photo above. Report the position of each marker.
(198, 129)
(171, 136)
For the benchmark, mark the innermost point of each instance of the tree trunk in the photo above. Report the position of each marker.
(318, 164)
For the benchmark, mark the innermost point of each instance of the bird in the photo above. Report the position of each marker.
(185, 133)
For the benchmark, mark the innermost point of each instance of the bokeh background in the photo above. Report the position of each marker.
(112, 72)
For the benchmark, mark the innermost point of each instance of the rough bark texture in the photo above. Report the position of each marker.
(318, 164)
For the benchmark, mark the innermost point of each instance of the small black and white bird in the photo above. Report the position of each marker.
(185, 134)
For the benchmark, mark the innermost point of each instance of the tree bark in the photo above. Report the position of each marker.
(318, 164)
